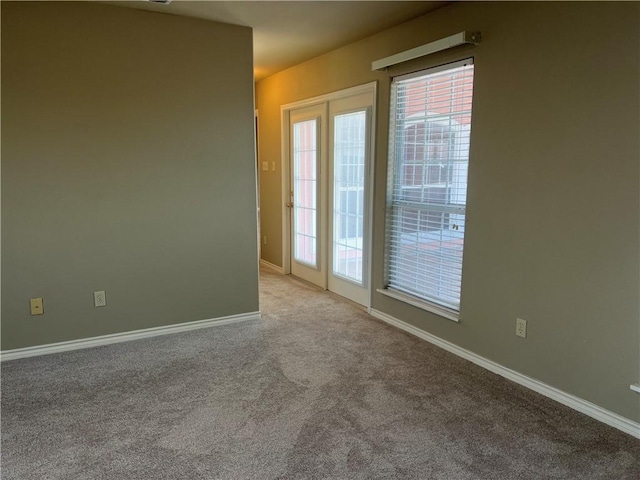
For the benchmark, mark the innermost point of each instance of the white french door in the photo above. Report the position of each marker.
(348, 194)
(308, 184)
(329, 204)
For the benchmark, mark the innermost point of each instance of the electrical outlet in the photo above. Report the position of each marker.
(37, 306)
(100, 298)
(521, 327)
(264, 240)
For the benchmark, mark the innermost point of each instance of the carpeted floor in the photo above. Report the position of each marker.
(317, 389)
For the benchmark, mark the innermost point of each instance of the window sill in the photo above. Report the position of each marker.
(423, 304)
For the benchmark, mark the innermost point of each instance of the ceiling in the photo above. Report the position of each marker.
(289, 32)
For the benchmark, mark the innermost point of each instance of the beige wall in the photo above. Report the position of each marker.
(127, 166)
(553, 212)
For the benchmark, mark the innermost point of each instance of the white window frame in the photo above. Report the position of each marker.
(388, 290)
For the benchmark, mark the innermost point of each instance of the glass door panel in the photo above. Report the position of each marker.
(349, 151)
(305, 188)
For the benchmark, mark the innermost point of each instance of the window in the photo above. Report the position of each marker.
(429, 132)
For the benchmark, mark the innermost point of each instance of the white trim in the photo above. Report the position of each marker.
(422, 304)
(635, 387)
(286, 190)
(271, 266)
(594, 411)
(423, 50)
(372, 174)
(347, 92)
(124, 336)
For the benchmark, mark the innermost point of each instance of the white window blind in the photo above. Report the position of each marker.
(429, 135)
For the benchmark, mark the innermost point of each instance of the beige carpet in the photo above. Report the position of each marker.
(318, 389)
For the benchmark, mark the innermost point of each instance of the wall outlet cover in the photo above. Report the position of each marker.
(521, 327)
(100, 298)
(36, 306)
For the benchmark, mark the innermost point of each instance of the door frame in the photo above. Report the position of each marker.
(371, 87)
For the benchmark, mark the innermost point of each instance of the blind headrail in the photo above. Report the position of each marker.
(427, 49)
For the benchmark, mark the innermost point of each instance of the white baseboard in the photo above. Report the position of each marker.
(271, 266)
(576, 403)
(124, 336)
